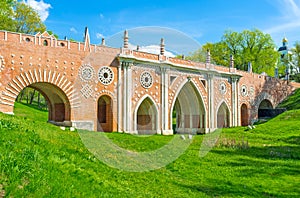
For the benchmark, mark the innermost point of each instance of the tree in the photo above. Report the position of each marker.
(6, 15)
(17, 16)
(296, 57)
(27, 19)
(247, 46)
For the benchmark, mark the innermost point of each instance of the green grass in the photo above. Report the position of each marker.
(38, 159)
(292, 102)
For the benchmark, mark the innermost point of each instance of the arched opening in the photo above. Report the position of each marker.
(188, 113)
(223, 116)
(146, 117)
(104, 114)
(265, 109)
(45, 43)
(56, 100)
(244, 115)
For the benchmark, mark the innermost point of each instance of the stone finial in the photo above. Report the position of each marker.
(249, 67)
(231, 61)
(103, 41)
(126, 38)
(87, 44)
(208, 56)
(162, 46)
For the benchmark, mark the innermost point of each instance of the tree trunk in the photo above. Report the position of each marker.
(32, 97)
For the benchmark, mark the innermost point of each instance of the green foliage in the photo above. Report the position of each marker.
(16, 16)
(40, 160)
(6, 15)
(246, 46)
(27, 20)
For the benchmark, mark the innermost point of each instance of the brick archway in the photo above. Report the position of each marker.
(56, 89)
(105, 114)
(58, 104)
(244, 115)
(264, 107)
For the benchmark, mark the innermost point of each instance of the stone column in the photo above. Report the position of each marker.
(234, 101)
(127, 96)
(211, 109)
(120, 99)
(164, 102)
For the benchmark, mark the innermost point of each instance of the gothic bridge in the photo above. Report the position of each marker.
(100, 88)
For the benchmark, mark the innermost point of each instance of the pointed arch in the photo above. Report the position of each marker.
(223, 116)
(146, 116)
(188, 109)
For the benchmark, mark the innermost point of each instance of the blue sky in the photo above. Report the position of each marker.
(201, 20)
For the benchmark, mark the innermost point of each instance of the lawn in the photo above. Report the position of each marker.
(38, 159)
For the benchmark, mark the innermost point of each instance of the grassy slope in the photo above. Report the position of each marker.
(292, 102)
(40, 160)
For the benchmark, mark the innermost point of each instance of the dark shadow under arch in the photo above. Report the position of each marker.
(265, 109)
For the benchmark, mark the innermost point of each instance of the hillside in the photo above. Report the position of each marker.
(38, 159)
(291, 102)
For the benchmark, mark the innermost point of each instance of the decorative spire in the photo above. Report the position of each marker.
(249, 67)
(126, 39)
(285, 41)
(208, 56)
(231, 61)
(103, 41)
(87, 43)
(162, 46)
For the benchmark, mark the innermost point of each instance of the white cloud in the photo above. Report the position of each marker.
(72, 29)
(153, 49)
(290, 18)
(99, 35)
(41, 7)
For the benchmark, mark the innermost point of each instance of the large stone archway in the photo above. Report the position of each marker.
(188, 112)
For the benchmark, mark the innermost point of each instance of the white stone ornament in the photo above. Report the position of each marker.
(244, 90)
(86, 72)
(146, 80)
(222, 88)
(87, 90)
(105, 75)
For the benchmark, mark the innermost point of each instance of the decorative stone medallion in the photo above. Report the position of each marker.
(244, 91)
(105, 75)
(222, 88)
(251, 92)
(86, 72)
(146, 79)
